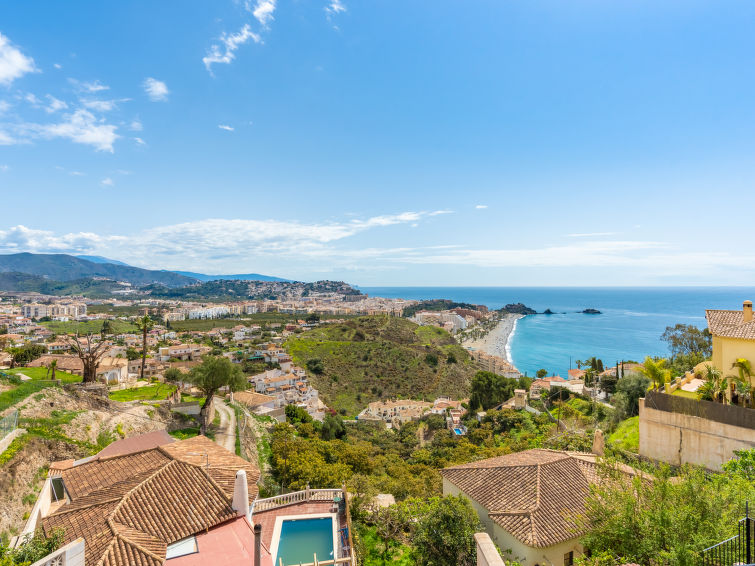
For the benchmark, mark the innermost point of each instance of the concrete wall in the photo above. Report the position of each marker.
(487, 553)
(511, 547)
(71, 554)
(679, 439)
(5, 442)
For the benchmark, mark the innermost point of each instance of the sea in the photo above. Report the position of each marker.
(629, 327)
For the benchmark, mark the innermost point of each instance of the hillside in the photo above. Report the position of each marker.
(237, 277)
(379, 357)
(95, 288)
(62, 267)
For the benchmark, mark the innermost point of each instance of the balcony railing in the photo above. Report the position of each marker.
(296, 497)
(739, 549)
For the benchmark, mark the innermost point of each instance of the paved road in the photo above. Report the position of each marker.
(226, 435)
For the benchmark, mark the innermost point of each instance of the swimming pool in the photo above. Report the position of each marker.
(458, 431)
(301, 539)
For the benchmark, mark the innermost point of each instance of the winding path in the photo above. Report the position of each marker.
(226, 435)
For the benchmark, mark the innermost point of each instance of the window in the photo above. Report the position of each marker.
(57, 489)
(569, 558)
(182, 548)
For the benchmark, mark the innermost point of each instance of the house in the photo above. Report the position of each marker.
(167, 502)
(395, 412)
(254, 401)
(538, 386)
(733, 338)
(529, 502)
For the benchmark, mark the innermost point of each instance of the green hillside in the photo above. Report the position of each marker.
(379, 357)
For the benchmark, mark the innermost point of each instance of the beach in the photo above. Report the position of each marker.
(496, 342)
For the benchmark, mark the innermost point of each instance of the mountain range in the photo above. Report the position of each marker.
(64, 267)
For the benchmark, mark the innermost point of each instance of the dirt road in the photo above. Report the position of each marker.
(226, 435)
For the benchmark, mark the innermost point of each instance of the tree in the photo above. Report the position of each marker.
(315, 365)
(90, 353)
(608, 383)
(132, 354)
(743, 465)
(332, 427)
(297, 415)
(107, 328)
(445, 533)
(313, 318)
(52, 366)
(173, 376)
(145, 324)
(541, 373)
(33, 547)
(212, 374)
(25, 354)
(715, 386)
(489, 389)
(656, 371)
(629, 389)
(686, 339)
(743, 379)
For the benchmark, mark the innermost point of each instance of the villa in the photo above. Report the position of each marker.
(529, 502)
(733, 338)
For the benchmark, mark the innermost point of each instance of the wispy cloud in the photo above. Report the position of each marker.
(335, 7)
(4, 168)
(80, 126)
(591, 234)
(140, 141)
(262, 11)
(481, 206)
(88, 86)
(107, 182)
(101, 105)
(225, 51)
(135, 126)
(226, 128)
(55, 104)
(13, 63)
(157, 91)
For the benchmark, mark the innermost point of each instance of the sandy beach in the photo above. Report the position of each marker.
(496, 340)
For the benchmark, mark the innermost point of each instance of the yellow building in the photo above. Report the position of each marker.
(733, 337)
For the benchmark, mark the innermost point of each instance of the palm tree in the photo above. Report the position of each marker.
(714, 388)
(144, 324)
(656, 371)
(51, 367)
(743, 379)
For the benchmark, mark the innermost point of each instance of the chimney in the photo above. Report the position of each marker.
(747, 311)
(257, 544)
(240, 502)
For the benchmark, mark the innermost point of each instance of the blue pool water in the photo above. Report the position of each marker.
(301, 539)
(630, 327)
(458, 431)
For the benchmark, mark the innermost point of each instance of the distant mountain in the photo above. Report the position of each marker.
(100, 259)
(239, 277)
(63, 267)
(94, 288)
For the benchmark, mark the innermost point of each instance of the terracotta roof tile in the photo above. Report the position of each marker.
(130, 507)
(730, 324)
(535, 495)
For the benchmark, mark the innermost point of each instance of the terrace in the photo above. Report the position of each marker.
(295, 526)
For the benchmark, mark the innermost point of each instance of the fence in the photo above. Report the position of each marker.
(296, 497)
(718, 412)
(738, 549)
(8, 423)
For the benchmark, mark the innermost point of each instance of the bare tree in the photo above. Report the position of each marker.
(90, 353)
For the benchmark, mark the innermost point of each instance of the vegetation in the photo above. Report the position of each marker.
(626, 436)
(437, 305)
(89, 327)
(33, 548)
(663, 520)
(688, 346)
(379, 357)
(148, 393)
(489, 389)
(210, 376)
(144, 325)
(20, 390)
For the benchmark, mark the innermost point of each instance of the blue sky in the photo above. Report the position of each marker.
(385, 143)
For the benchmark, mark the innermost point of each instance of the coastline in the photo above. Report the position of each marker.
(497, 342)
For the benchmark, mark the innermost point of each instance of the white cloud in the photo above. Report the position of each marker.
(6, 138)
(88, 86)
(140, 141)
(32, 99)
(99, 105)
(481, 206)
(55, 104)
(13, 63)
(80, 127)
(77, 174)
(335, 7)
(107, 182)
(20, 238)
(157, 91)
(4, 106)
(230, 43)
(135, 126)
(57, 65)
(263, 11)
(226, 128)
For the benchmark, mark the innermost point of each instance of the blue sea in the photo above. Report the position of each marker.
(629, 328)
